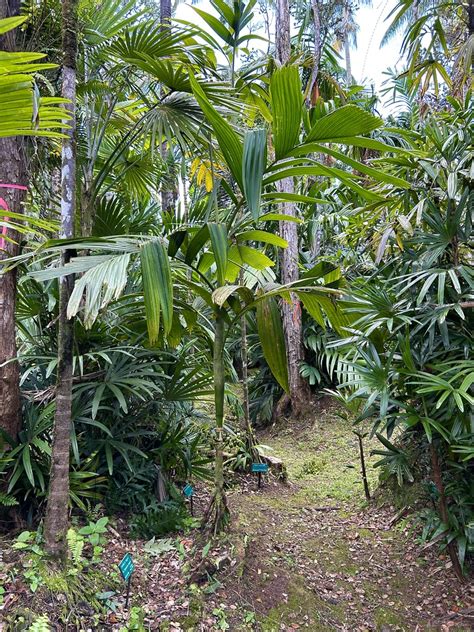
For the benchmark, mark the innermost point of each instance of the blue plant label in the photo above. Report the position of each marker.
(259, 467)
(188, 491)
(126, 566)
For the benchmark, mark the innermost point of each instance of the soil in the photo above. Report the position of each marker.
(310, 554)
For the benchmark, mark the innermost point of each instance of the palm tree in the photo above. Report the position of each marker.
(56, 521)
(289, 260)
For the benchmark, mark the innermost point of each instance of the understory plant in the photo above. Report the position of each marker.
(409, 339)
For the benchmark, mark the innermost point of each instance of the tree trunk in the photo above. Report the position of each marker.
(13, 173)
(292, 314)
(347, 47)
(443, 509)
(56, 521)
(165, 13)
(292, 320)
(168, 194)
(217, 515)
(282, 31)
(312, 90)
(250, 438)
(347, 53)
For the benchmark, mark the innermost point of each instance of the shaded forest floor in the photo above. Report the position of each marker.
(309, 554)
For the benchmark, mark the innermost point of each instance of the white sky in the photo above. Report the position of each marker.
(369, 61)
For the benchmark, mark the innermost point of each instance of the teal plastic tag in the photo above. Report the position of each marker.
(259, 467)
(126, 566)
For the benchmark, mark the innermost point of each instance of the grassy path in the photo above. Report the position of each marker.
(317, 557)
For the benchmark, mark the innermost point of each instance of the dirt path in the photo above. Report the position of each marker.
(318, 558)
(306, 555)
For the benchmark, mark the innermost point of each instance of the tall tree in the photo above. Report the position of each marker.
(56, 521)
(292, 316)
(13, 174)
(169, 193)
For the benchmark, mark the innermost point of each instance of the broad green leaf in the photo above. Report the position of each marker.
(228, 140)
(276, 197)
(26, 458)
(157, 288)
(215, 25)
(263, 236)
(377, 174)
(196, 243)
(8, 24)
(279, 217)
(293, 171)
(286, 100)
(254, 163)
(220, 247)
(315, 302)
(349, 120)
(221, 295)
(234, 264)
(270, 331)
(254, 258)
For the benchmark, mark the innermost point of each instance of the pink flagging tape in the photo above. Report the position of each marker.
(4, 205)
(13, 186)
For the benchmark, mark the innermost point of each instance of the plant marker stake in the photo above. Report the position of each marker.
(363, 469)
(128, 592)
(260, 468)
(188, 492)
(126, 568)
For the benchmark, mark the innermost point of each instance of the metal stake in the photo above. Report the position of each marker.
(128, 592)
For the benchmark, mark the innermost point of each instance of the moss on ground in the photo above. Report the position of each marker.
(324, 461)
(301, 607)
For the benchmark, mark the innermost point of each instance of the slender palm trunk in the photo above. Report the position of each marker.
(56, 521)
(169, 192)
(347, 53)
(250, 438)
(347, 47)
(292, 317)
(217, 514)
(443, 509)
(312, 90)
(13, 173)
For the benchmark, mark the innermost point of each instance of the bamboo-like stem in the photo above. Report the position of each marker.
(363, 468)
(217, 514)
(249, 434)
(443, 509)
(56, 521)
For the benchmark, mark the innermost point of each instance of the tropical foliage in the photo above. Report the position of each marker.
(184, 136)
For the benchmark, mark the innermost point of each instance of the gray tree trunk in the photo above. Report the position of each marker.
(312, 91)
(292, 320)
(347, 52)
(12, 172)
(347, 47)
(56, 521)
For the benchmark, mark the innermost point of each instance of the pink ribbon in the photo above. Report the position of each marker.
(4, 205)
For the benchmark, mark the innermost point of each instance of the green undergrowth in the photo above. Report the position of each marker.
(324, 462)
(324, 474)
